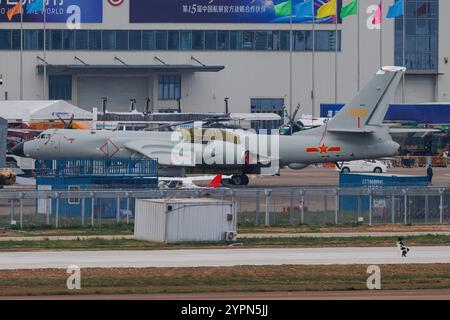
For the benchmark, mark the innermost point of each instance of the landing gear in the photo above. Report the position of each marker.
(239, 180)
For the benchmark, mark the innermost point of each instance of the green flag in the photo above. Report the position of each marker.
(350, 10)
(283, 9)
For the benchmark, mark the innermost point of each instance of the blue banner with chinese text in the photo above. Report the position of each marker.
(222, 11)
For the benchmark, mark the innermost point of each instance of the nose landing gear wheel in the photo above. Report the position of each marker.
(240, 180)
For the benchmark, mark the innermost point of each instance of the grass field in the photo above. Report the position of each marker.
(298, 242)
(127, 229)
(223, 279)
(43, 231)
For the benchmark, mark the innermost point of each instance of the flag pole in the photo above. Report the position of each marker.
(21, 50)
(290, 62)
(358, 49)
(403, 51)
(313, 77)
(336, 58)
(44, 96)
(381, 34)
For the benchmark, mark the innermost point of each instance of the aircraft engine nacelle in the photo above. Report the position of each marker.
(297, 166)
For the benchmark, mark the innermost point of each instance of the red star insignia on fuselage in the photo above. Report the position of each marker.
(323, 148)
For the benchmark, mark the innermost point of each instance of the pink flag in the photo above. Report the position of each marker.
(377, 16)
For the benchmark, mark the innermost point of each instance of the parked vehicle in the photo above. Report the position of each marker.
(374, 166)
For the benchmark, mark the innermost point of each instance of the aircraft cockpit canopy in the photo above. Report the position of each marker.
(43, 136)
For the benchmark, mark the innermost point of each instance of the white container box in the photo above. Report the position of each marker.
(178, 220)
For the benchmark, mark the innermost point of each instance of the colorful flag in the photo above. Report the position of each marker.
(14, 10)
(35, 6)
(350, 9)
(423, 9)
(304, 9)
(395, 10)
(378, 15)
(327, 9)
(283, 9)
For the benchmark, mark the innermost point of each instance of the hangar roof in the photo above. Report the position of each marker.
(40, 110)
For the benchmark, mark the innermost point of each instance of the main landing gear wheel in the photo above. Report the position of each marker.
(240, 180)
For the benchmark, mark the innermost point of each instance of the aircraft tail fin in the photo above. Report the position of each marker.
(215, 183)
(369, 106)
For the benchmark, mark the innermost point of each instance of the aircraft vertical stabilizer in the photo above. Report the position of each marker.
(369, 106)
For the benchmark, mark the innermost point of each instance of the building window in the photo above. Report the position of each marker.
(198, 40)
(261, 40)
(31, 39)
(16, 39)
(148, 40)
(74, 200)
(210, 40)
(122, 40)
(169, 87)
(161, 40)
(68, 40)
(421, 41)
(326, 41)
(223, 40)
(135, 40)
(60, 87)
(109, 40)
(95, 40)
(5, 39)
(173, 40)
(185, 40)
(81, 39)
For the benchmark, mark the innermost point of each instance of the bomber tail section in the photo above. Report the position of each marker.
(369, 106)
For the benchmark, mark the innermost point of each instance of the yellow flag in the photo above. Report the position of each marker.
(328, 9)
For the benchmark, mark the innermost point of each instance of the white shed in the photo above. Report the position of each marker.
(40, 110)
(178, 220)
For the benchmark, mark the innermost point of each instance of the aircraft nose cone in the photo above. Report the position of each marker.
(18, 150)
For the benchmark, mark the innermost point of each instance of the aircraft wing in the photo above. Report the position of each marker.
(412, 130)
(163, 150)
(350, 130)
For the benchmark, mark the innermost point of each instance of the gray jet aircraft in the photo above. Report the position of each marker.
(355, 133)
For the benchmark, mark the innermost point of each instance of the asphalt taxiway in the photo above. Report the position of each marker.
(220, 257)
(435, 294)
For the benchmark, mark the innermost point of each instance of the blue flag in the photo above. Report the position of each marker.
(303, 10)
(35, 6)
(395, 10)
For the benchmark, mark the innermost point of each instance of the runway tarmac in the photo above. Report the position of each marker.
(221, 257)
(261, 235)
(437, 294)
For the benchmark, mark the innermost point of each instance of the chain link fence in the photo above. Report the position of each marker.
(255, 207)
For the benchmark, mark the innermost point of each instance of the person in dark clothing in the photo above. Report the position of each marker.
(401, 245)
(430, 174)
